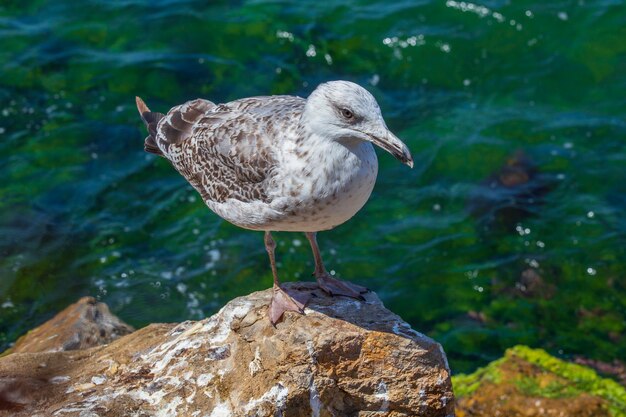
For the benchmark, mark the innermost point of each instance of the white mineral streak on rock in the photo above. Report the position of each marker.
(423, 403)
(314, 395)
(204, 379)
(402, 328)
(67, 410)
(381, 393)
(171, 349)
(221, 410)
(310, 347)
(59, 379)
(83, 408)
(314, 399)
(275, 396)
(169, 408)
(191, 396)
(153, 398)
(351, 305)
(98, 379)
(225, 318)
(255, 365)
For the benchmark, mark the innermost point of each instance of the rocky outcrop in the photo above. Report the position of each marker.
(344, 357)
(84, 324)
(531, 383)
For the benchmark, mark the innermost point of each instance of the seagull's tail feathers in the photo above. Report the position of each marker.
(151, 119)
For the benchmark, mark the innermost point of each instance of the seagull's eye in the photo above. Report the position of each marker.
(347, 113)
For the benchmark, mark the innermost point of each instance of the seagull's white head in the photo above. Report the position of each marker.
(341, 110)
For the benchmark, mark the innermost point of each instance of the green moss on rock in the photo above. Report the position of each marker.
(466, 384)
(581, 379)
(527, 377)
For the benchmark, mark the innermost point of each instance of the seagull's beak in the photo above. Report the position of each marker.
(390, 142)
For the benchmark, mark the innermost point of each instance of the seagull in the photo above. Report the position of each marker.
(280, 163)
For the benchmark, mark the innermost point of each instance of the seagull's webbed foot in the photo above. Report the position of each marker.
(282, 301)
(334, 286)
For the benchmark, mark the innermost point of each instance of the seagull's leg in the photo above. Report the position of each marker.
(326, 281)
(281, 301)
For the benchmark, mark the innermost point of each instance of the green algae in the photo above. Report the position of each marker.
(552, 378)
(580, 379)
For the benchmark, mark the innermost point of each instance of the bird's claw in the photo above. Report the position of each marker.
(333, 286)
(282, 301)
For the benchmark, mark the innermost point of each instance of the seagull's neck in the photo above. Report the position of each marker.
(308, 152)
(314, 168)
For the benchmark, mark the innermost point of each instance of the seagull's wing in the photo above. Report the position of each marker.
(228, 151)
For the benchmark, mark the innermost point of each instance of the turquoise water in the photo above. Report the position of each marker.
(477, 256)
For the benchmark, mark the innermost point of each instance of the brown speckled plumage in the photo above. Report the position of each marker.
(225, 151)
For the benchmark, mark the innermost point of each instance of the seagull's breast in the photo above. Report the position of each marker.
(324, 186)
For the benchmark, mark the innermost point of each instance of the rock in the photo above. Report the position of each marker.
(83, 324)
(529, 382)
(344, 358)
(509, 195)
(532, 285)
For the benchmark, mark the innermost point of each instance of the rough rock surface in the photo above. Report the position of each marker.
(83, 324)
(530, 383)
(343, 358)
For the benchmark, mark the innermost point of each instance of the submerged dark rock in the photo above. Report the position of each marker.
(344, 357)
(511, 194)
(531, 284)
